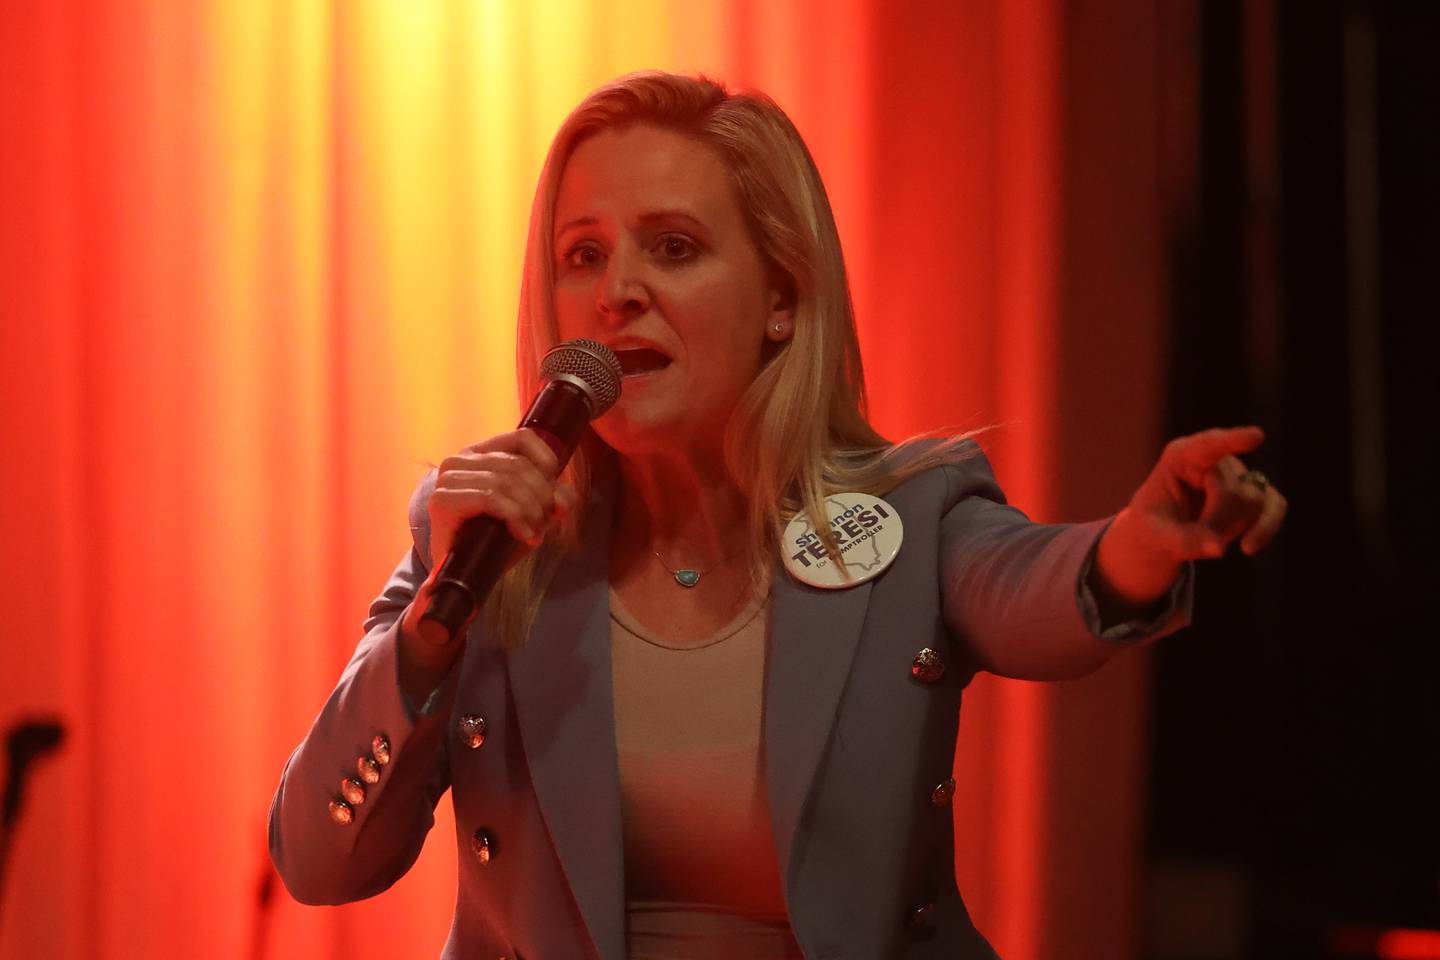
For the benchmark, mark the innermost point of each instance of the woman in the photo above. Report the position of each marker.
(662, 742)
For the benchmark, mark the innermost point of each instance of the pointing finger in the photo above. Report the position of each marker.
(1201, 451)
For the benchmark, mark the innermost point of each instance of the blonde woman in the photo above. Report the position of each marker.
(662, 741)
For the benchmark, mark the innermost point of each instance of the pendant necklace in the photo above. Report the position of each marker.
(689, 576)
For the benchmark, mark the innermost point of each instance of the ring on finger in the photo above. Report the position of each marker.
(1255, 478)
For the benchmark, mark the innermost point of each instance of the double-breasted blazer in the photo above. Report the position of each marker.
(854, 743)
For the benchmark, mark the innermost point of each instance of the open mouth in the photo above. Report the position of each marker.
(640, 361)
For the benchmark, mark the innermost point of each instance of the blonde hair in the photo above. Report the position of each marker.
(800, 431)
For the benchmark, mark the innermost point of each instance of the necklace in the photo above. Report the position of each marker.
(689, 576)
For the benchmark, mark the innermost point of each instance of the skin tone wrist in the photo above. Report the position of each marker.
(1129, 576)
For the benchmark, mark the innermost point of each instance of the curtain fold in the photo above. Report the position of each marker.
(260, 266)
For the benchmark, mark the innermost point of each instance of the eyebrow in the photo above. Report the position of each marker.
(649, 218)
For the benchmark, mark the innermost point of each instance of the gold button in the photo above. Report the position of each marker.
(922, 921)
(472, 730)
(368, 769)
(380, 750)
(353, 791)
(927, 666)
(340, 811)
(483, 846)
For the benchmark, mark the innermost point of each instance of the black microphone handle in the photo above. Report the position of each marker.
(483, 546)
(482, 549)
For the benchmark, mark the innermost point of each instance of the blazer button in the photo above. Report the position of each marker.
(472, 730)
(340, 811)
(927, 666)
(942, 793)
(380, 750)
(353, 791)
(921, 922)
(483, 846)
(368, 769)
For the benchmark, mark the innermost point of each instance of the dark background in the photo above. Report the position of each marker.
(1293, 778)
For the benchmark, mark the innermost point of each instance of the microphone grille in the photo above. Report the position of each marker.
(590, 365)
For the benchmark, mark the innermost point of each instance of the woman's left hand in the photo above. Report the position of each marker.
(1197, 501)
(1200, 498)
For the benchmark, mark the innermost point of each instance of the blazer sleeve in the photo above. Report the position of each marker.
(366, 719)
(1015, 592)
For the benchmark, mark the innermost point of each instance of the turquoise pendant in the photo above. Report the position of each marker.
(687, 578)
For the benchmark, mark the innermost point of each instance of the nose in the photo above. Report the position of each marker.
(623, 293)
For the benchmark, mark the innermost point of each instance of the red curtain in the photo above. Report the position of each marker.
(258, 265)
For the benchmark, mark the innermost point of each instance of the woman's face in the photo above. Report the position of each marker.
(653, 258)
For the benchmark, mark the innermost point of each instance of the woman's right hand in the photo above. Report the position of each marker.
(510, 477)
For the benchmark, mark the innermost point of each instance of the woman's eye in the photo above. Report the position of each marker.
(582, 255)
(677, 247)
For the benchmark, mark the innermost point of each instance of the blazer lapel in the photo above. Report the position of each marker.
(564, 700)
(813, 637)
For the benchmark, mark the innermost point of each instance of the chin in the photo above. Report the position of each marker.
(650, 427)
(630, 437)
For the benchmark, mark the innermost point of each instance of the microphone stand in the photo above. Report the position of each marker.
(27, 742)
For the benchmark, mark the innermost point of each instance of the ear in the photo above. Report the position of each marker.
(781, 323)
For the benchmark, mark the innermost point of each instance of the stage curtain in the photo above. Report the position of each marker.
(259, 266)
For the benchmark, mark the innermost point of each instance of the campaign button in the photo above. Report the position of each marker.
(866, 532)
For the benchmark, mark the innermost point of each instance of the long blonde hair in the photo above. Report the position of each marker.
(800, 431)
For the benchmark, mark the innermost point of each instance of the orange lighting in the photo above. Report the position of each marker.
(259, 265)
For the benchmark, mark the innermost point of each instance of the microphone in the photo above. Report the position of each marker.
(582, 381)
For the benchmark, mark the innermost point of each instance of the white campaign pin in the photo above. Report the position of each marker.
(869, 532)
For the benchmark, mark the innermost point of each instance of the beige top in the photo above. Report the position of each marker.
(701, 878)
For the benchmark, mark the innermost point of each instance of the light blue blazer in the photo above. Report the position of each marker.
(854, 744)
